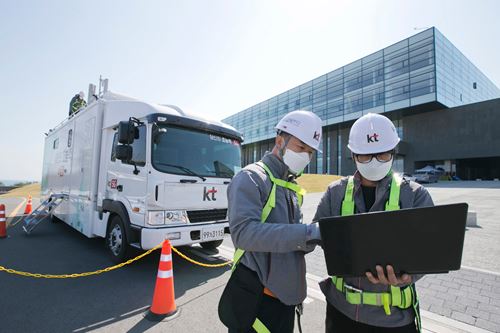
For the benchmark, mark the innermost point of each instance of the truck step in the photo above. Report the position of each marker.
(43, 211)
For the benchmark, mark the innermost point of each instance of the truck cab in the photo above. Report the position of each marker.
(171, 174)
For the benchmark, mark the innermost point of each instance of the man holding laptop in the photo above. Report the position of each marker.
(381, 301)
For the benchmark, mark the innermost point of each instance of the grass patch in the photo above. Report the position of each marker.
(24, 191)
(311, 182)
(316, 183)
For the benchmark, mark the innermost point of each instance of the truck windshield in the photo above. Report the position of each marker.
(191, 152)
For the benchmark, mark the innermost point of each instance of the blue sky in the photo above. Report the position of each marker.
(213, 58)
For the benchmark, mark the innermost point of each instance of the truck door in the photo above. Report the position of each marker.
(82, 143)
(126, 186)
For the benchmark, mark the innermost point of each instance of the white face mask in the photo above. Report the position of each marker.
(296, 162)
(374, 170)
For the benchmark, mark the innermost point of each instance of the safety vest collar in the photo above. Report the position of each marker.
(282, 183)
(392, 203)
(382, 184)
(382, 191)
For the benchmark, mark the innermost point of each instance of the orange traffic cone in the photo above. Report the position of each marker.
(164, 298)
(29, 207)
(3, 226)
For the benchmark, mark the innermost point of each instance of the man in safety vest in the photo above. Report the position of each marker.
(76, 103)
(381, 302)
(269, 275)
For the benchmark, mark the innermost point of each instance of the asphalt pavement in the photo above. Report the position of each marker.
(464, 301)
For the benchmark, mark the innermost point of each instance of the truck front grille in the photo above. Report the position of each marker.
(196, 216)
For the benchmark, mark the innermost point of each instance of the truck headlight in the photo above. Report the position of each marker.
(176, 216)
(156, 218)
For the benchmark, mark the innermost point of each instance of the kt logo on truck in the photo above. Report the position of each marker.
(209, 195)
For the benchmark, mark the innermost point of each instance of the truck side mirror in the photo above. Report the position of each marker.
(127, 132)
(123, 152)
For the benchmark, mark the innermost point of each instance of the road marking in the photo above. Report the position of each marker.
(14, 212)
(136, 311)
(226, 252)
(314, 277)
(308, 300)
(480, 270)
(95, 324)
(226, 248)
(316, 293)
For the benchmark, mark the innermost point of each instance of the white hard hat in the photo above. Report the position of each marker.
(82, 94)
(304, 125)
(372, 133)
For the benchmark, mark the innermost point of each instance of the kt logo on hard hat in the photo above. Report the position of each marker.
(372, 138)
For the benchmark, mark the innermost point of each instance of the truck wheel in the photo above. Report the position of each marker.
(212, 245)
(116, 240)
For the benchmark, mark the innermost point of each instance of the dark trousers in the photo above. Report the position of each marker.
(276, 316)
(337, 322)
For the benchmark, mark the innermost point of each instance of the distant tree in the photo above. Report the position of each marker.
(2, 184)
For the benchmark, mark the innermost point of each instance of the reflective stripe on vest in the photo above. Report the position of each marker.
(259, 326)
(270, 203)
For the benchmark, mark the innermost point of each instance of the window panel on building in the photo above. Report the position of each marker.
(306, 89)
(373, 74)
(353, 102)
(422, 84)
(396, 66)
(397, 90)
(320, 80)
(339, 72)
(353, 81)
(319, 91)
(335, 108)
(319, 99)
(373, 97)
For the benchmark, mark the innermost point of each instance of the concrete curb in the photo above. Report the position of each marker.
(453, 325)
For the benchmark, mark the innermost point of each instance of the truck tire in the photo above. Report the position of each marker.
(116, 240)
(212, 245)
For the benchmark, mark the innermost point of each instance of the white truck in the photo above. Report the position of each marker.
(137, 173)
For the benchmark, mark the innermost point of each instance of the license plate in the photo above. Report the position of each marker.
(212, 234)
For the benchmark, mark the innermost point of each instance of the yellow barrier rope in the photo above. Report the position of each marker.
(107, 269)
(77, 275)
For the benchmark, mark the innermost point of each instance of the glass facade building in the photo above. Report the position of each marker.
(422, 69)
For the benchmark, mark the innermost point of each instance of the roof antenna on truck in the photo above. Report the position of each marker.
(103, 86)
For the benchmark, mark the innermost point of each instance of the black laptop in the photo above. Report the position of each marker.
(415, 241)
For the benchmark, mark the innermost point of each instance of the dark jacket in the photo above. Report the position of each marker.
(411, 195)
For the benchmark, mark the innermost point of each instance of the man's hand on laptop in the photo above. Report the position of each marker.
(390, 279)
